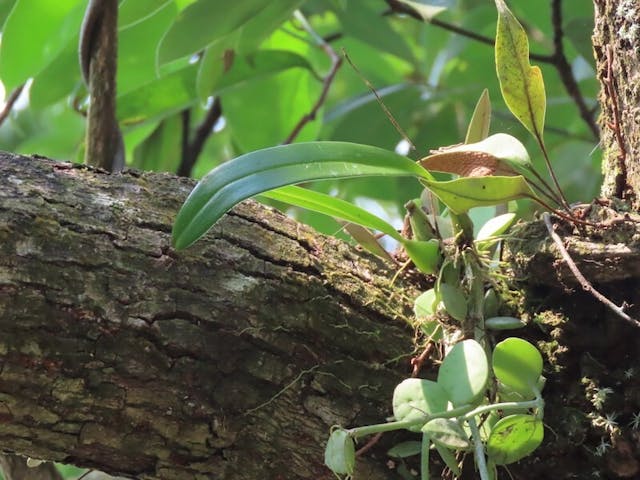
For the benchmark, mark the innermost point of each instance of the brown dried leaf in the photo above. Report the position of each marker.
(467, 164)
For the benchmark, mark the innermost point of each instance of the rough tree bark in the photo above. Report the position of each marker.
(230, 360)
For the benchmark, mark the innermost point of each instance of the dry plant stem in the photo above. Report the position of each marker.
(611, 89)
(336, 62)
(384, 107)
(584, 283)
(563, 199)
(11, 100)
(367, 446)
(564, 69)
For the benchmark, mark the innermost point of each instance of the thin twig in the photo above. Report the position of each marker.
(11, 100)
(564, 69)
(390, 116)
(367, 446)
(399, 7)
(336, 62)
(584, 283)
(85, 474)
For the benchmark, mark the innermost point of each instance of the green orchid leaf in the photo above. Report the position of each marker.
(425, 255)
(425, 305)
(340, 453)
(334, 207)
(504, 323)
(478, 128)
(495, 226)
(405, 449)
(414, 398)
(522, 85)
(464, 373)
(513, 438)
(263, 170)
(517, 364)
(455, 302)
(447, 432)
(366, 239)
(462, 194)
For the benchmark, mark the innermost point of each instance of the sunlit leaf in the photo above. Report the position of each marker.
(521, 84)
(464, 193)
(513, 438)
(30, 41)
(495, 226)
(499, 154)
(334, 207)
(464, 373)
(517, 364)
(271, 168)
(478, 128)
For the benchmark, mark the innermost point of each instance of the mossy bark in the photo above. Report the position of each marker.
(229, 360)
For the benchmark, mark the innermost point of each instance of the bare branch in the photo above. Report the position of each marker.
(336, 62)
(584, 283)
(11, 100)
(191, 150)
(559, 60)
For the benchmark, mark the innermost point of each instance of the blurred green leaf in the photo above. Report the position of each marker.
(58, 79)
(160, 98)
(30, 42)
(132, 11)
(204, 22)
(137, 45)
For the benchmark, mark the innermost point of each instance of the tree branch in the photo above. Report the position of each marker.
(11, 100)
(559, 60)
(336, 62)
(191, 150)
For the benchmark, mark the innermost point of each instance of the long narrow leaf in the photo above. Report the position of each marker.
(275, 167)
(334, 207)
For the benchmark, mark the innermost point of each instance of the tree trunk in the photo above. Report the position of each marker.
(616, 43)
(229, 360)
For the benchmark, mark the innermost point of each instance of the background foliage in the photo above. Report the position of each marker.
(176, 56)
